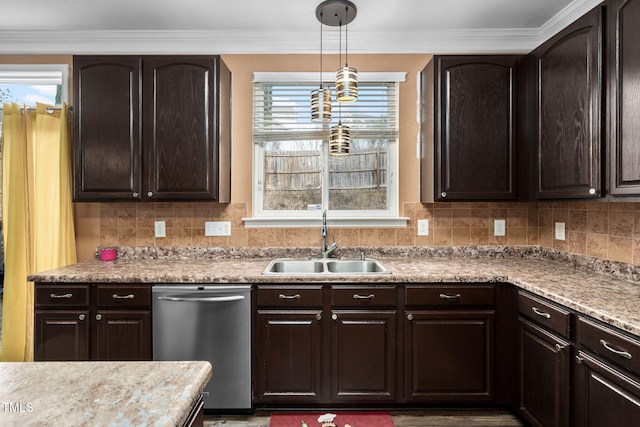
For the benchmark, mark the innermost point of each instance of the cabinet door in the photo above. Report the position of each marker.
(624, 96)
(544, 376)
(449, 356)
(123, 335)
(107, 134)
(569, 108)
(289, 356)
(363, 356)
(181, 136)
(61, 335)
(475, 127)
(605, 396)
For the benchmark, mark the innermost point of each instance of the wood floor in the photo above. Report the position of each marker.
(400, 419)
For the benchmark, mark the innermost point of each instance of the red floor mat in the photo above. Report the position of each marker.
(355, 419)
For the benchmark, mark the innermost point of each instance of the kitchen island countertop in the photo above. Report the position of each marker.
(605, 297)
(100, 393)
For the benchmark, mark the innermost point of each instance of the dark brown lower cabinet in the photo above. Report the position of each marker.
(449, 356)
(289, 356)
(123, 335)
(75, 322)
(61, 335)
(545, 376)
(605, 396)
(363, 361)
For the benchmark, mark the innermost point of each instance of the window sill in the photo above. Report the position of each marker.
(334, 222)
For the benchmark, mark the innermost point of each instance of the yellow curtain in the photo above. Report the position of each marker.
(38, 223)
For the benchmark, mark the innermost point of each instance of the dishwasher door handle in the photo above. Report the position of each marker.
(203, 299)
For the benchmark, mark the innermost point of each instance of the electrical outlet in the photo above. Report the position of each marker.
(160, 229)
(560, 231)
(217, 228)
(423, 227)
(499, 227)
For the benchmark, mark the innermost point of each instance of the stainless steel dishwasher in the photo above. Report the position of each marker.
(208, 322)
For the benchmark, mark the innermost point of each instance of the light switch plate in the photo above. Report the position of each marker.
(560, 231)
(423, 227)
(499, 227)
(160, 229)
(217, 228)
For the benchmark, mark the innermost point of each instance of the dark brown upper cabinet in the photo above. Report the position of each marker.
(568, 109)
(469, 128)
(151, 128)
(623, 118)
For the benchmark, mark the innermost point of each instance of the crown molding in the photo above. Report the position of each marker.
(566, 16)
(286, 42)
(263, 42)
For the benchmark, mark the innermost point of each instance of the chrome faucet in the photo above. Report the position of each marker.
(326, 250)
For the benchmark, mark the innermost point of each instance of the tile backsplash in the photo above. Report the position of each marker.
(605, 230)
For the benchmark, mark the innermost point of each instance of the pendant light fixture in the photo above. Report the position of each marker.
(337, 13)
(346, 77)
(321, 97)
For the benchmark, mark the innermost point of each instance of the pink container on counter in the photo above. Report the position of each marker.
(107, 254)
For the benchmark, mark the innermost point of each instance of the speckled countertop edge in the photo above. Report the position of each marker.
(101, 393)
(604, 290)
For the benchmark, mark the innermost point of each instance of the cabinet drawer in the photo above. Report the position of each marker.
(123, 296)
(62, 295)
(289, 296)
(545, 313)
(359, 296)
(450, 295)
(610, 344)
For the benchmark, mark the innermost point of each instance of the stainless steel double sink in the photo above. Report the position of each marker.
(324, 266)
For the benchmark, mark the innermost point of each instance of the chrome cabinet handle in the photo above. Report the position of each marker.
(622, 353)
(409, 316)
(116, 296)
(370, 296)
(445, 296)
(61, 296)
(283, 296)
(98, 316)
(150, 194)
(540, 313)
(318, 316)
(334, 316)
(579, 360)
(81, 317)
(560, 347)
(135, 194)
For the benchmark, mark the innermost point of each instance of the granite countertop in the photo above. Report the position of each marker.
(100, 393)
(611, 299)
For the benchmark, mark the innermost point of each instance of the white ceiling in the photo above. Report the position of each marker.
(280, 26)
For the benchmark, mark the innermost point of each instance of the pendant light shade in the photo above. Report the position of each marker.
(347, 84)
(340, 140)
(321, 105)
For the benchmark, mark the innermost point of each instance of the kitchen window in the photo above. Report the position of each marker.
(294, 176)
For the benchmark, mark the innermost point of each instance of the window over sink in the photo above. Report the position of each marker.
(294, 176)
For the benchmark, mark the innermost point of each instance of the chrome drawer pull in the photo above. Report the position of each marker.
(116, 296)
(560, 347)
(622, 353)
(283, 296)
(541, 313)
(370, 296)
(61, 296)
(445, 296)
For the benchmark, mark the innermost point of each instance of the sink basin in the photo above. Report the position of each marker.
(295, 266)
(355, 266)
(328, 266)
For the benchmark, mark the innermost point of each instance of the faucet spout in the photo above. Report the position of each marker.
(326, 250)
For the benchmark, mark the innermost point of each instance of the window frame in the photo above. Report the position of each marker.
(381, 217)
